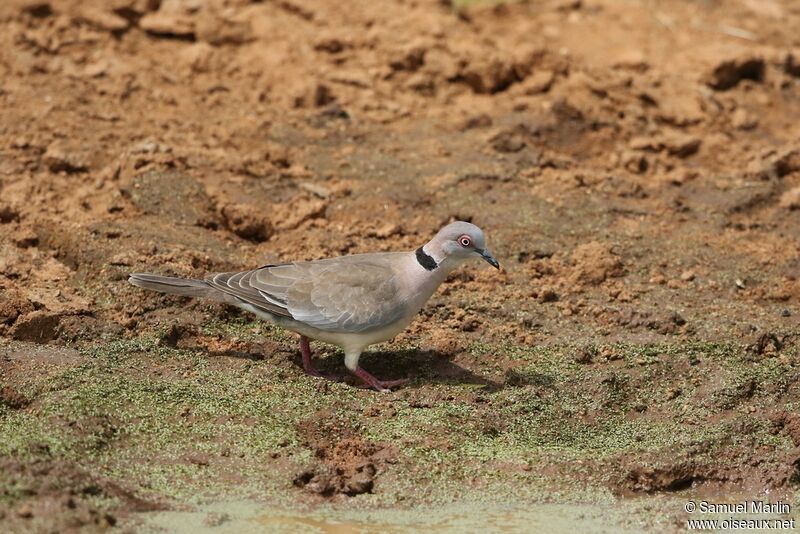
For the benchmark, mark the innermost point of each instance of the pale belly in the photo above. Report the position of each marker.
(350, 342)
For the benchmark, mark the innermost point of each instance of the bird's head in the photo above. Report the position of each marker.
(459, 241)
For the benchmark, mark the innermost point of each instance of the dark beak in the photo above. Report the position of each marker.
(486, 255)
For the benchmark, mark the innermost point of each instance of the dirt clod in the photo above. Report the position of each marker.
(766, 343)
(663, 479)
(12, 398)
(595, 262)
(247, 222)
(38, 326)
(12, 305)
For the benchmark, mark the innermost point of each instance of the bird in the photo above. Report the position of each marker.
(350, 301)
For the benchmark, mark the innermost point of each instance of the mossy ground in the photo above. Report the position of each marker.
(182, 426)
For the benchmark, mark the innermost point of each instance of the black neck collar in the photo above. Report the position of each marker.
(426, 260)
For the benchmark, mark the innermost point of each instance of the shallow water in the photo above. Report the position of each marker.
(249, 517)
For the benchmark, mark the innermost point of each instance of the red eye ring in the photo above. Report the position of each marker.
(464, 241)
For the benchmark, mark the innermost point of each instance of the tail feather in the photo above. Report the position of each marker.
(186, 287)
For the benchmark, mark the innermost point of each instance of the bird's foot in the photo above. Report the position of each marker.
(384, 386)
(308, 366)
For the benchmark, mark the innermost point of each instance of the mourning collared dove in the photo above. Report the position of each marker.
(351, 301)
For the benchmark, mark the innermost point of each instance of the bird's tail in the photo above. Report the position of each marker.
(186, 287)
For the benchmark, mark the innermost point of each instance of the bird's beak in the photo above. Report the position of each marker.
(486, 255)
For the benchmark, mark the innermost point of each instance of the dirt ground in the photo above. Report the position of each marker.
(634, 163)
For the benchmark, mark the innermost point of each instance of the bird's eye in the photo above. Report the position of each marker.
(464, 241)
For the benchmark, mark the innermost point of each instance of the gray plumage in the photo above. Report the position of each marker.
(352, 301)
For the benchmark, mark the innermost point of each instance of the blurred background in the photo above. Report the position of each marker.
(634, 163)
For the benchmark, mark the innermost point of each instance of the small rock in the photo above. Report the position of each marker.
(59, 158)
(681, 145)
(539, 81)
(688, 276)
(167, 23)
(742, 120)
(105, 20)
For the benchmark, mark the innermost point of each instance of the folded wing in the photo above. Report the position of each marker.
(336, 296)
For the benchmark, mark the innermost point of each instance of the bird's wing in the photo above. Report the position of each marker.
(351, 294)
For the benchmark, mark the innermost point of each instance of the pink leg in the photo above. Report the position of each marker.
(305, 350)
(380, 385)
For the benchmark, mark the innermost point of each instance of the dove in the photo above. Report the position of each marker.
(350, 301)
